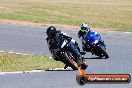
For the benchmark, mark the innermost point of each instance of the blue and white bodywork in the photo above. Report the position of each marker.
(95, 44)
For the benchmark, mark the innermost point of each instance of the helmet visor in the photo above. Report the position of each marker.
(84, 28)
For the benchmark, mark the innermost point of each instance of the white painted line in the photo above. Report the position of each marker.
(21, 72)
(68, 68)
(25, 54)
(50, 57)
(57, 69)
(19, 53)
(127, 32)
(34, 71)
(4, 73)
(11, 52)
(2, 51)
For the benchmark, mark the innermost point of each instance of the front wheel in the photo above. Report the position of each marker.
(102, 52)
(70, 61)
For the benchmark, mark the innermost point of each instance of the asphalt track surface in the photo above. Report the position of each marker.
(31, 39)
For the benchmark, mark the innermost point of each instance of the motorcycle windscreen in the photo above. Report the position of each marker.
(91, 37)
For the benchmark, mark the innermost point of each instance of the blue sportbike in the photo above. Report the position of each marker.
(95, 44)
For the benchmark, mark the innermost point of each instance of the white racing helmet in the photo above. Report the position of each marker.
(84, 26)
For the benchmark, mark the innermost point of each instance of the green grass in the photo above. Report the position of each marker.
(115, 14)
(15, 62)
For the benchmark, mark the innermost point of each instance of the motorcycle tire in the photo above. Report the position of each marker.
(103, 53)
(70, 62)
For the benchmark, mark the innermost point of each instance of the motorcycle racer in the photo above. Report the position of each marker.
(82, 33)
(55, 39)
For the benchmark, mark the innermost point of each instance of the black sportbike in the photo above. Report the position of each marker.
(69, 54)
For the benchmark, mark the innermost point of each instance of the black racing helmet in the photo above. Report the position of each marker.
(51, 31)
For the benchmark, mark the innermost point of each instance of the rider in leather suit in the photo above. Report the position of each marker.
(55, 39)
(82, 33)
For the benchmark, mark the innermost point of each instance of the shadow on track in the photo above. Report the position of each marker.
(95, 58)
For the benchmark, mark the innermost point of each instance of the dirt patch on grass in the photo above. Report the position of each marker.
(49, 24)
